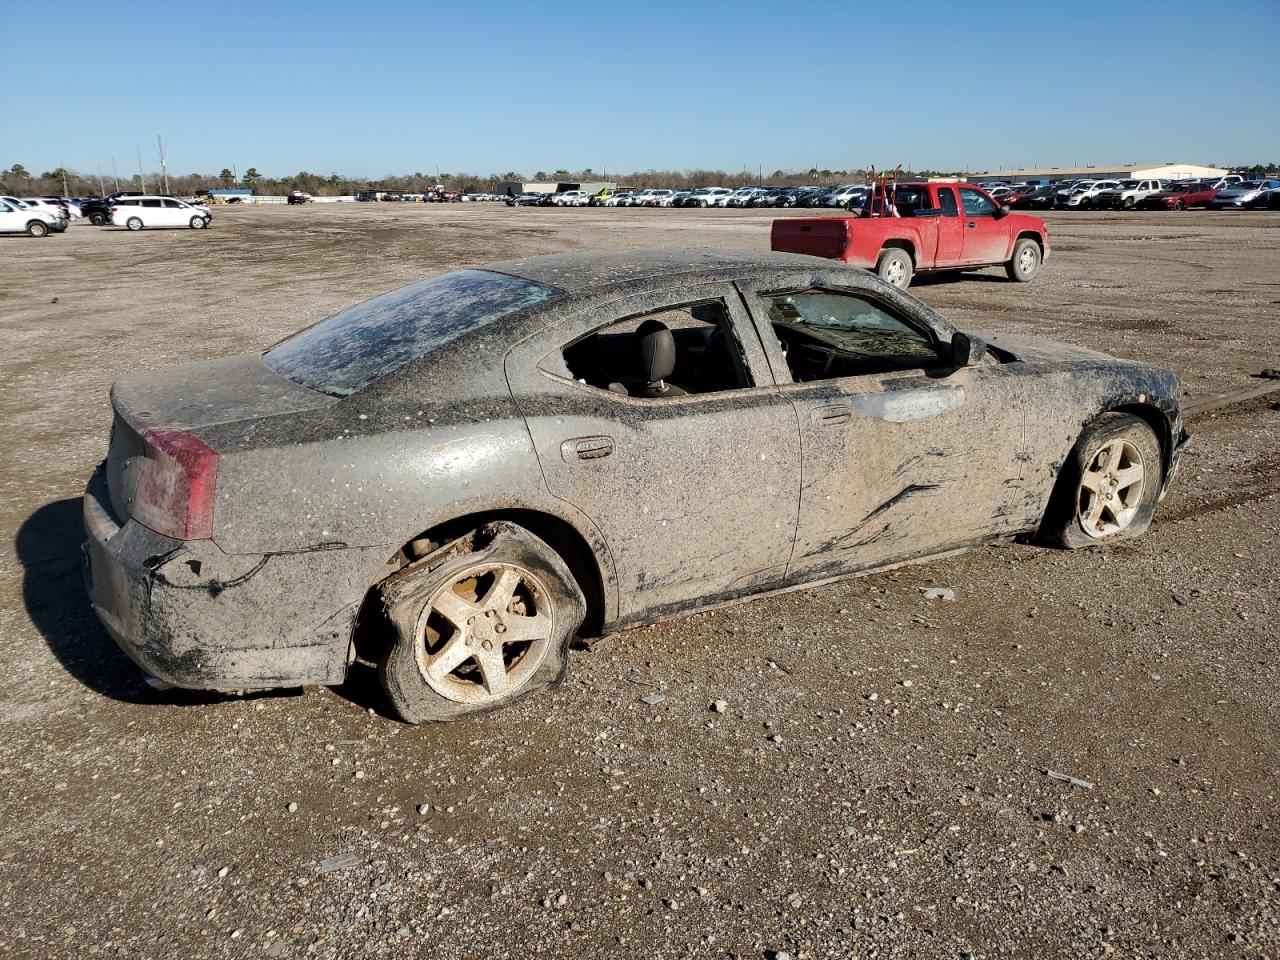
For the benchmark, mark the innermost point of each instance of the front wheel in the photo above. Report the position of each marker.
(1025, 262)
(1109, 485)
(37, 228)
(97, 219)
(1127, 203)
(134, 223)
(199, 223)
(1179, 205)
(895, 267)
(478, 624)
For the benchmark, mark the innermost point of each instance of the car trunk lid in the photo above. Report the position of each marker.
(190, 398)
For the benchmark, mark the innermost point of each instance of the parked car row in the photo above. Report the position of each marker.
(34, 216)
(1228, 192)
(750, 196)
(1216, 193)
(39, 217)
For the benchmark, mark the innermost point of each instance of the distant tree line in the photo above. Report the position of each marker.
(17, 180)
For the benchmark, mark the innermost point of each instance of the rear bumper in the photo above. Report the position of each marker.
(196, 617)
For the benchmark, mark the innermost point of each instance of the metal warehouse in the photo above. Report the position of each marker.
(513, 188)
(1153, 171)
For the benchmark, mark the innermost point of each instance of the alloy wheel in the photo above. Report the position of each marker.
(484, 635)
(1111, 489)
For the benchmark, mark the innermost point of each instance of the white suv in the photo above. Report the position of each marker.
(842, 195)
(17, 217)
(571, 198)
(1127, 193)
(138, 212)
(1083, 194)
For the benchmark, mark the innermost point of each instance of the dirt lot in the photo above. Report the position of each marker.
(876, 785)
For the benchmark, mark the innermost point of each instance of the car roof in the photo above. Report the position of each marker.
(580, 273)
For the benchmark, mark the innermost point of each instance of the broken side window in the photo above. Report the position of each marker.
(698, 353)
(827, 334)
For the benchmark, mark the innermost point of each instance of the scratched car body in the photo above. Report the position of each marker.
(454, 479)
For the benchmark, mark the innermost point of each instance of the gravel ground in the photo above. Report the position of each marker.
(850, 771)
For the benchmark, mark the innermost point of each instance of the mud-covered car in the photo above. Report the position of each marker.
(453, 479)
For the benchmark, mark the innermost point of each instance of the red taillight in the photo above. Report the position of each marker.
(176, 482)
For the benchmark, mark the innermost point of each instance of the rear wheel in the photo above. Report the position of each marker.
(37, 228)
(478, 627)
(134, 223)
(97, 218)
(895, 267)
(1109, 485)
(1025, 262)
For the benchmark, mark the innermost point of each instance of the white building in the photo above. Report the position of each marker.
(1153, 171)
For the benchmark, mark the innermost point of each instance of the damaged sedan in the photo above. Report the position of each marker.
(453, 480)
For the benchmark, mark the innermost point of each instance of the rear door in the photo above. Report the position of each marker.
(986, 240)
(153, 213)
(692, 481)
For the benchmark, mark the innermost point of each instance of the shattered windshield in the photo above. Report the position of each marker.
(345, 353)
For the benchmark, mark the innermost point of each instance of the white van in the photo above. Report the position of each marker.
(138, 212)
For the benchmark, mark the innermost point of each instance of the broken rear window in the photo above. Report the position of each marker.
(345, 353)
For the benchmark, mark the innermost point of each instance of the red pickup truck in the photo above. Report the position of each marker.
(912, 227)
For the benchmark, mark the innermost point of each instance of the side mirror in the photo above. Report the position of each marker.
(966, 350)
(1002, 211)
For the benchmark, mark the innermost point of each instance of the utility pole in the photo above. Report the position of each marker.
(164, 172)
(114, 178)
(64, 182)
(102, 188)
(141, 179)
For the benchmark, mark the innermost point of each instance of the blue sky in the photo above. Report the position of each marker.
(389, 86)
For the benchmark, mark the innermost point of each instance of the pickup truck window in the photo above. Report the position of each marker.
(907, 200)
(826, 334)
(976, 204)
(947, 202)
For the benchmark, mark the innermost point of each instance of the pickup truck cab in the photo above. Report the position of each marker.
(920, 227)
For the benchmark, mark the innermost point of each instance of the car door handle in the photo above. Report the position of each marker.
(833, 415)
(971, 225)
(586, 448)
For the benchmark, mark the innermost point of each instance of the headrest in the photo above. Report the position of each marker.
(657, 350)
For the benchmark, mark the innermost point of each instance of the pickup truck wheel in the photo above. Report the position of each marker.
(1109, 485)
(478, 624)
(37, 228)
(1025, 262)
(1127, 203)
(895, 267)
(97, 219)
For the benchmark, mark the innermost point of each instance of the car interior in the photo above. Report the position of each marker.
(826, 334)
(670, 353)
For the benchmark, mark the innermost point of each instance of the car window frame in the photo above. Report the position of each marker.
(888, 298)
(544, 350)
(962, 190)
(553, 364)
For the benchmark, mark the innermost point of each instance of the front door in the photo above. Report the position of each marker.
(904, 455)
(657, 417)
(986, 240)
